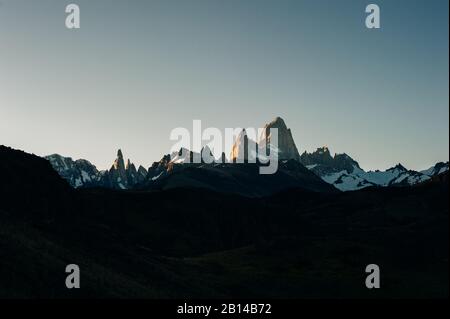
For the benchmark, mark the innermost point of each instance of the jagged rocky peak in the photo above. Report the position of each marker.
(245, 149)
(241, 147)
(181, 157)
(163, 161)
(130, 167)
(346, 162)
(278, 122)
(321, 156)
(286, 146)
(324, 150)
(142, 171)
(81, 173)
(123, 176)
(399, 167)
(346, 174)
(119, 163)
(117, 174)
(223, 158)
(322, 162)
(437, 169)
(238, 148)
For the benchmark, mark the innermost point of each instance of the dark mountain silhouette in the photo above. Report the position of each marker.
(197, 243)
(244, 179)
(30, 184)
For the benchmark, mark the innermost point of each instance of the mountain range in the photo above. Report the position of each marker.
(196, 243)
(345, 173)
(295, 170)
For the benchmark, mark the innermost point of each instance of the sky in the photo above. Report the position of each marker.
(137, 69)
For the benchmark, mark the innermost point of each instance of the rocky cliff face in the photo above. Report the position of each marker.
(286, 146)
(124, 176)
(245, 149)
(118, 174)
(322, 162)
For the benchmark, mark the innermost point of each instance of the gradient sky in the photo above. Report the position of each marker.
(137, 69)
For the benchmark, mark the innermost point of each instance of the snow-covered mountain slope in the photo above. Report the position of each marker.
(358, 178)
(437, 169)
(397, 175)
(78, 173)
(81, 173)
(345, 181)
(286, 147)
(346, 174)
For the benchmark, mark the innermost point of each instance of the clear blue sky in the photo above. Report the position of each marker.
(137, 69)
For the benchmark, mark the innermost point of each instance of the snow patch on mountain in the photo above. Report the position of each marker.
(82, 173)
(437, 169)
(345, 173)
